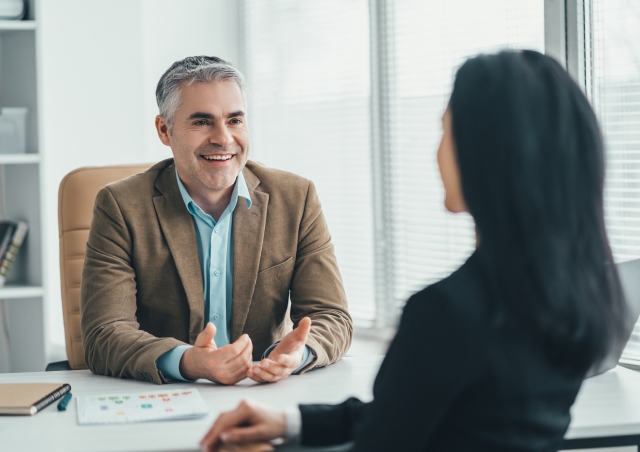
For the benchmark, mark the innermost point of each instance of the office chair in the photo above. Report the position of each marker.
(76, 199)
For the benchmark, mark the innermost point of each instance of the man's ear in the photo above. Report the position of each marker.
(163, 130)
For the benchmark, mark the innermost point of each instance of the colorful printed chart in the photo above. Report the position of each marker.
(150, 406)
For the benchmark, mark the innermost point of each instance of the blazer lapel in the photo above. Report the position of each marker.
(248, 234)
(179, 231)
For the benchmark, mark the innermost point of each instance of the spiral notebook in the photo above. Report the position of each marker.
(29, 398)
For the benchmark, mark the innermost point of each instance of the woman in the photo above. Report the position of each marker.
(492, 357)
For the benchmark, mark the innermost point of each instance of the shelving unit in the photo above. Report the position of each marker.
(17, 159)
(17, 292)
(13, 25)
(20, 196)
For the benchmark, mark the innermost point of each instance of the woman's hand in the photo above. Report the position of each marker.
(249, 422)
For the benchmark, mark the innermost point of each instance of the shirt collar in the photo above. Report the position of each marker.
(240, 189)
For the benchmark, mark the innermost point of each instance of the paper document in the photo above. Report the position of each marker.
(150, 406)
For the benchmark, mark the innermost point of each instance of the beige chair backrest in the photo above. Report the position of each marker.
(76, 199)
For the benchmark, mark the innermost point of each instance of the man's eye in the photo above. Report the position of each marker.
(201, 122)
(236, 121)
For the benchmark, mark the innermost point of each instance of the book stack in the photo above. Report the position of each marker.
(12, 235)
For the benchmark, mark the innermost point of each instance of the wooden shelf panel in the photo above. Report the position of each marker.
(17, 291)
(15, 159)
(16, 25)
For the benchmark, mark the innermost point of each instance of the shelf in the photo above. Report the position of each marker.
(13, 159)
(16, 25)
(17, 291)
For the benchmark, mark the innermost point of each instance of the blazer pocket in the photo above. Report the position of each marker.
(281, 265)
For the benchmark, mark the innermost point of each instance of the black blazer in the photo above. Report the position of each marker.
(453, 381)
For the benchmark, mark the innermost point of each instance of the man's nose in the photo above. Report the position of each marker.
(221, 136)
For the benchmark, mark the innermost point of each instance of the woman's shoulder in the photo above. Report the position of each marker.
(462, 292)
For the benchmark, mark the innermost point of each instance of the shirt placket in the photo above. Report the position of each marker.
(217, 287)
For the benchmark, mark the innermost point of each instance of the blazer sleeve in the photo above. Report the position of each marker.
(316, 288)
(324, 425)
(113, 343)
(430, 363)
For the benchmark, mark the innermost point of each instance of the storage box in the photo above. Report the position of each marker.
(12, 9)
(13, 127)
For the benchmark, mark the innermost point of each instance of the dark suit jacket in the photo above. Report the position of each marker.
(142, 291)
(452, 381)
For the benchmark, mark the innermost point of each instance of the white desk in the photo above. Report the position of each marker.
(53, 431)
(606, 413)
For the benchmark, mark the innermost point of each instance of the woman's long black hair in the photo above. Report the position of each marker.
(531, 159)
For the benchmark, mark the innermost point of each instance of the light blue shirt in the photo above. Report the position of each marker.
(215, 249)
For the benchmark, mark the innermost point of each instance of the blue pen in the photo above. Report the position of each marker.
(62, 404)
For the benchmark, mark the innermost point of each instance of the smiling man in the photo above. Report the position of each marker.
(190, 266)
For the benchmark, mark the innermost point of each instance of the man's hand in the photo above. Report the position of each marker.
(248, 423)
(227, 365)
(285, 358)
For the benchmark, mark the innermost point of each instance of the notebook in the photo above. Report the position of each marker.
(184, 403)
(29, 398)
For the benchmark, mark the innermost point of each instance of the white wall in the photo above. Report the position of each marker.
(99, 62)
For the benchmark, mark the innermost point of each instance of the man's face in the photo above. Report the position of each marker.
(209, 138)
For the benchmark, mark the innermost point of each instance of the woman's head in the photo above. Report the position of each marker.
(531, 167)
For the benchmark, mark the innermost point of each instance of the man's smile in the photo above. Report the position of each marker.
(218, 158)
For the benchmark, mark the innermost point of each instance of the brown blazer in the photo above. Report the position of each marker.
(142, 290)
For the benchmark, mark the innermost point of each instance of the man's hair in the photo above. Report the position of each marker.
(190, 70)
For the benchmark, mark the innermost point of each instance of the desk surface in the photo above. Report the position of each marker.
(607, 405)
(52, 430)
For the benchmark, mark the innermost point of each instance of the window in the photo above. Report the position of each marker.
(326, 77)
(616, 98)
(429, 41)
(308, 73)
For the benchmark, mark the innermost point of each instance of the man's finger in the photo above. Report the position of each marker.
(239, 365)
(255, 377)
(205, 338)
(276, 368)
(265, 375)
(296, 338)
(287, 360)
(236, 360)
(232, 350)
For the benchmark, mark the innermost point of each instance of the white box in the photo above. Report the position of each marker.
(13, 128)
(12, 9)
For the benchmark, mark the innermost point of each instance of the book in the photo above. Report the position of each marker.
(164, 405)
(29, 398)
(12, 251)
(7, 228)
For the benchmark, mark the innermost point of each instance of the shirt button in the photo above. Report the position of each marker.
(217, 272)
(216, 317)
(215, 230)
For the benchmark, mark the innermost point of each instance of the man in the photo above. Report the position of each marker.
(190, 265)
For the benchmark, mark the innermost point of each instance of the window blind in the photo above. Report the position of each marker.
(428, 41)
(310, 112)
(307, 65)
(616, 99)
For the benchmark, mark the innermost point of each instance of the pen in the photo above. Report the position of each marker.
(62, 404)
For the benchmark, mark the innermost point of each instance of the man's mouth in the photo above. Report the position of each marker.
(218, 157)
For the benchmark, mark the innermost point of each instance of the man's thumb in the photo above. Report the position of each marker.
(205, 338)
(300, 333)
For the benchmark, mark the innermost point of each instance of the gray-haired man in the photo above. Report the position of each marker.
(190, 265)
